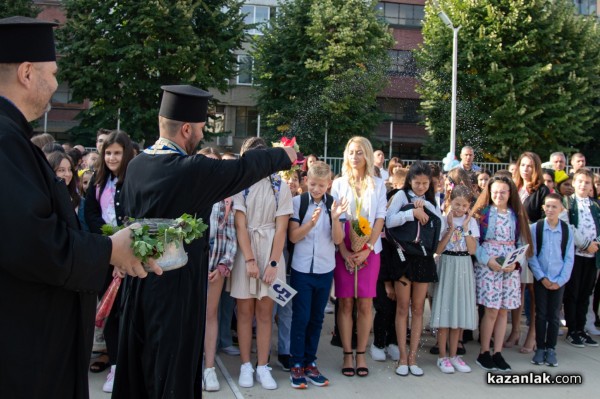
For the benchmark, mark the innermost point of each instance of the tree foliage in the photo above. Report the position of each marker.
(321, 64)
(528, 76)
(24, 8)
(118, 54)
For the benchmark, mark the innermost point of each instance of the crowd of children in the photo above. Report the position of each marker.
(306, 228)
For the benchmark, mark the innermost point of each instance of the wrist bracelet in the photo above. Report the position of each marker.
(251, 260)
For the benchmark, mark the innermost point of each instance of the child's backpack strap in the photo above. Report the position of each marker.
(304, 197)
(539, 236)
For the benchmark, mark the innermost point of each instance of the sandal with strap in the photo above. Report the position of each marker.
(362, 371)
(348, 371)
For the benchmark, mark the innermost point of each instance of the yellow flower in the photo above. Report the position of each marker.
(363, 223)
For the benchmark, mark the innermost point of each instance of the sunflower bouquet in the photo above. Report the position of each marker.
(360, 232)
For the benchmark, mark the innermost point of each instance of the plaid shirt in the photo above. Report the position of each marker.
(222, 239)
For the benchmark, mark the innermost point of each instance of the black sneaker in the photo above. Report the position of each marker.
(284, 362)
(485, 361)
(574, 338)
(500, 363)
(586, 339)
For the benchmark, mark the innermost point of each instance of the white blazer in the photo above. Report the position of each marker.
(373, 205)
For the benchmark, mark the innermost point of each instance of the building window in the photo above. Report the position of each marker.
(402, 14)
(585, 7)
(256, 17)
(246, 120)
(63, 94)
(245, 66)
(402, 63)
(399, 109)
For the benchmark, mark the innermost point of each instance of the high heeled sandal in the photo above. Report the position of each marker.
(509, 343)
(349, 371)
(362, 371)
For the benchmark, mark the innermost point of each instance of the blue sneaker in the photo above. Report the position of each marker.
(551, 359)
(297, 378)
(314, 376)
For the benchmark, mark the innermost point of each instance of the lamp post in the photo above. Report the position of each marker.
(446, 20)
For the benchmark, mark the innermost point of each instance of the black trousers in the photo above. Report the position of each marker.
(577, 292)
(547, 315)
(384, 323)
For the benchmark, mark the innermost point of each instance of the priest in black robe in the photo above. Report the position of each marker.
(50, 270)
(161, 342)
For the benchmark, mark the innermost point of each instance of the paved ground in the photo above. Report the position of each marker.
(383, 383)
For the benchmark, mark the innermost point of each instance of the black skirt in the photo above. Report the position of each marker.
(418, 269)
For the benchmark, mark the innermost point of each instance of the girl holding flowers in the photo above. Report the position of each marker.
(357, 261)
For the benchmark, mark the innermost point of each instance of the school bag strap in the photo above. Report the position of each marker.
(539, 236)
(304, 200)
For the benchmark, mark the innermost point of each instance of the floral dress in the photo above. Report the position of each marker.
(499, 290)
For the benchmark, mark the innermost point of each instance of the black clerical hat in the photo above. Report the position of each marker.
(25, 39)
(184, 103)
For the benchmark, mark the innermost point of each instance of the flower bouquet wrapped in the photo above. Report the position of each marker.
(107, 301)
(360, 232)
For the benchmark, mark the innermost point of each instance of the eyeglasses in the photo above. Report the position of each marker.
(501, 192)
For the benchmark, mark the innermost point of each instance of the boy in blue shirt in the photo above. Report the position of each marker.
(551, 265)
(315, 235)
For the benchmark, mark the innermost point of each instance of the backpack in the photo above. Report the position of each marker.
(304, 199)
(539, 236)
(413, 238)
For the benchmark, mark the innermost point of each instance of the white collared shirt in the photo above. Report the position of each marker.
(315, 253)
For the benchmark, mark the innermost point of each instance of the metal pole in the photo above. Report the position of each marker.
(258, 126)
(391, 137)
(119, 119)
(325, 150)
(454, 84)
(46, 122)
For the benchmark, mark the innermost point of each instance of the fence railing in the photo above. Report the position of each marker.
(336, 164)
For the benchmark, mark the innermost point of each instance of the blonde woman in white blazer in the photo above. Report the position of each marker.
(366, 197)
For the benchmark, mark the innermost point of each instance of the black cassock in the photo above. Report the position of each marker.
(50, 272)
(162, 334)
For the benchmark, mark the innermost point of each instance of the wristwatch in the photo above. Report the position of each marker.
(467, 233)
(273, 263)
(371, 246)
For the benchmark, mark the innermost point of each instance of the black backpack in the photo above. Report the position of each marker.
(413, 238)
(304, 199)
(539, 236)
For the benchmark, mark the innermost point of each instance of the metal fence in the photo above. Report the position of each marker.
(336, 164)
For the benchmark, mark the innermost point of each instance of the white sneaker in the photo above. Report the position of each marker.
(263, 375)
(445, 366)
(246, 379)
(231, 350)
(377, 354)
(394, 352)
(210, 382)
(110, 380)
(459, 364)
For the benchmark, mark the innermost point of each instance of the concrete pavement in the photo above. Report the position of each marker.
(383, 383)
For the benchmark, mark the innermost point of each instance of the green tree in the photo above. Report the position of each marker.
(528, 76)
(321, 64)
(24, 8)
(118, 54)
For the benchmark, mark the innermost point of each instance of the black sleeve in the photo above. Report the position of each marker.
(229, 177)
(92, 210)
(41, 241)
(533, 204)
